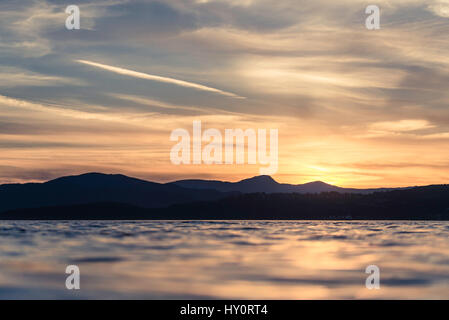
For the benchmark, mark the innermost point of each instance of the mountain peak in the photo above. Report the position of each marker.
(97, 179)
(260, 179)
(317, 183)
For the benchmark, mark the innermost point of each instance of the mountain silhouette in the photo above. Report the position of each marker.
(93, 188)
(268, 185)
(97, 187)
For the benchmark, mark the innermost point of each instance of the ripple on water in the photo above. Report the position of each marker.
(225, 259)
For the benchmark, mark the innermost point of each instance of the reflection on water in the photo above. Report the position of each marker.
(227, 260)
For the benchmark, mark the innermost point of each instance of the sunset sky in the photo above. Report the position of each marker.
(353, 107)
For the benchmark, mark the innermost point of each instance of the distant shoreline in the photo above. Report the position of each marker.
(429, 203)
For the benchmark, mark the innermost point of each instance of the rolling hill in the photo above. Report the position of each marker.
(97, 187)
(268, 185)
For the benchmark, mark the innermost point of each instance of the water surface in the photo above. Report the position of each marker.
(224, 259)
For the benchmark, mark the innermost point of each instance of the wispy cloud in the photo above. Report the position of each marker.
(147, 76)
(405, 127)
(402, 125)
(14, 77)
(55, 111)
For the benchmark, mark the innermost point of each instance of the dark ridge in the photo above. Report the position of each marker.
(98, 187)
(420, 203)
(268, 185)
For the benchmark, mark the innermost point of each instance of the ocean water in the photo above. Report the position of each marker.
(224, 259)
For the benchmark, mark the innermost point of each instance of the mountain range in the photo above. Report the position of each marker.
(114, 196)
(267, 184)
(98, 187)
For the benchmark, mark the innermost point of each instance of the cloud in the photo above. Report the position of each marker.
(440, 8)
(170, 108)
(441, 135)
(64, 112)
(406, 128)
(147, 76)
(402, 125)
(13, 77)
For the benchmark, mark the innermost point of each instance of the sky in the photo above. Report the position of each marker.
(353, 107)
